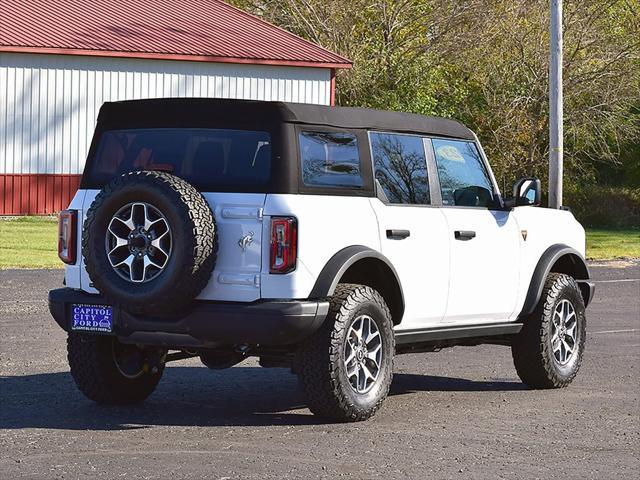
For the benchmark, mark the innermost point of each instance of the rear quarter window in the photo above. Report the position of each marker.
(330, 159)
(206, 158)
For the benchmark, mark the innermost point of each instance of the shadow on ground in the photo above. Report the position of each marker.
(190, 396)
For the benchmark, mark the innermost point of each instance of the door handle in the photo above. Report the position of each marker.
(464, 234)
(398, 234)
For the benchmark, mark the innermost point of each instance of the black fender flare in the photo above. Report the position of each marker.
(547, 260)
(337, 265)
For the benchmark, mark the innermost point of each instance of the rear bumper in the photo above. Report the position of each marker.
(206, 324)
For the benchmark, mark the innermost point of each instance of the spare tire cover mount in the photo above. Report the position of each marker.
(149, 242)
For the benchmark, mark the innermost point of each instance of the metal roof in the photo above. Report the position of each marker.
(196, 30)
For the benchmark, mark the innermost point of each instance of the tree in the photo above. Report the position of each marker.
(485, 62)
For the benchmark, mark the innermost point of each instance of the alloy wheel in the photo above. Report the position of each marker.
(363, 354)
(138, 242)
(564, 332)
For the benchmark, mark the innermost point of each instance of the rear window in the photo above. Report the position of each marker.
(205, 158)
(330, 159)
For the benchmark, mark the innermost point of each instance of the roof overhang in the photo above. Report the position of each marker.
(164, 56)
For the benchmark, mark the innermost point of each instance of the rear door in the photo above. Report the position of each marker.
(485, 241)
(208, 159)
(413, 234)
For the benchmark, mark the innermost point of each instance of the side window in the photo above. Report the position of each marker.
(330, 159)
(401, 167)
(464, 180)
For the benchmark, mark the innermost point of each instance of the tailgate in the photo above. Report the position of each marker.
(236, 277)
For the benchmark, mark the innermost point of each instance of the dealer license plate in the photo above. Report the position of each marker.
(92, 318)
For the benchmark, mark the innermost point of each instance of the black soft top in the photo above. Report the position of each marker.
(202, 112)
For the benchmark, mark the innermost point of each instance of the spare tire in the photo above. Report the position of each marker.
(149, 242)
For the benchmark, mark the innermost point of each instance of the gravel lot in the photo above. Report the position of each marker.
(460, 413)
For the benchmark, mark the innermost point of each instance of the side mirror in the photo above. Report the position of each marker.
(527, 191)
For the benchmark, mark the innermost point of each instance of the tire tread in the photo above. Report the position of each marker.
(94, 372)
(203, 242)
(530, 349)
(321, 354)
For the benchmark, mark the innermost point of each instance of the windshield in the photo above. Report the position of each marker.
(205, 158)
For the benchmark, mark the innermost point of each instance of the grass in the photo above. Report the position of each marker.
(31, 242)
(606, 244)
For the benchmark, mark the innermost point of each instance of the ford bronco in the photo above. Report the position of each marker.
(321, 239)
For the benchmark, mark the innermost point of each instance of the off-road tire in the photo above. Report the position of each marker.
(320, 363)
(95, 372)
(194, 234)
(531, 348)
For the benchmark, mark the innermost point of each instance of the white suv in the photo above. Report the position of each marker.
(323, 239)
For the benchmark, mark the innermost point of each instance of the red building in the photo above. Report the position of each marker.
(61, 59)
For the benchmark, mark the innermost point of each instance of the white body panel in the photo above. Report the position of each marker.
(444, 280)
(85, 281)
(326, 225)
(236, 277)
(323, 230)
(544, 227)
(50, 102)
(484, 277)
(421, 260)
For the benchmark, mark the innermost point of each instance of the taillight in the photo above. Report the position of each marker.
(284, 240)
(67, 236)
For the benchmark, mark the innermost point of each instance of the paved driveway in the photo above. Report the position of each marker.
(460, 413)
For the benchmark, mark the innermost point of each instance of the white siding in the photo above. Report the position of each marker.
(49, 103)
